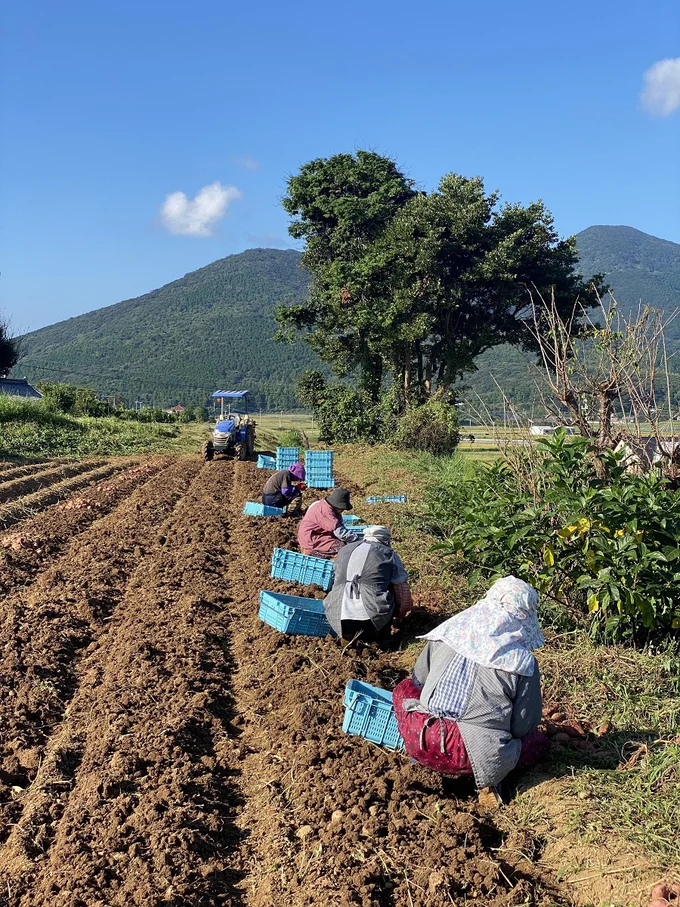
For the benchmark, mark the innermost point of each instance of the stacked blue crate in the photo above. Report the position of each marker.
(287, 457)
(265, 462)
(319, 468)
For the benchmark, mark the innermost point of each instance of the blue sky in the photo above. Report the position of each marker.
(109, 108)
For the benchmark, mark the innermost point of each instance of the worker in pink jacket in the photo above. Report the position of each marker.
(321, 530)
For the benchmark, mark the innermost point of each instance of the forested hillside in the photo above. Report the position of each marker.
(212, 329)
(638, 267)
(215, 327)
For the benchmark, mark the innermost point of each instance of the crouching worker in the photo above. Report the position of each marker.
(284, 487)
(321, 530)
(370, 588)
(473, 703)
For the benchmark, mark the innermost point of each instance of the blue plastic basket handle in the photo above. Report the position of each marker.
(356, 696)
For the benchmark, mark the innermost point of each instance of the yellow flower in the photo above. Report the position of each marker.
(619, 533)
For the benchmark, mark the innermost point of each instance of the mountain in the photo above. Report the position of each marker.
(639, 268)
(212, 329)
(215, 328)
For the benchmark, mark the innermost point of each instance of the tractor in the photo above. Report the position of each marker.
(234, 432)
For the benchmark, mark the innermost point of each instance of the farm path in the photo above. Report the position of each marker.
(160, 746)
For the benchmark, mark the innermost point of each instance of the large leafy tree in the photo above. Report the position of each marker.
(419, 283)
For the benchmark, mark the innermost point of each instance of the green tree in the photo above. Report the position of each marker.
(341, 207)
(419, 284)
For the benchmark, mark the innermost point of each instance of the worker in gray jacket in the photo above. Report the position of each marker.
(473, 702)
(370, 588)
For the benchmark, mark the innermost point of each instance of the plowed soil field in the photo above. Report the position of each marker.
(159, 745)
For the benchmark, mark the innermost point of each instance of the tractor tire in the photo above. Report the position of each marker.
(242, 450)
(208, 451)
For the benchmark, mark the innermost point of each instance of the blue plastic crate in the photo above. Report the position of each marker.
(369, 713)
(319, 457)
(295, 615)
(287, 456)
(387, 499)
(349, 518)
(264, 462)
(321, 483)
(253, 509)
(302, 568)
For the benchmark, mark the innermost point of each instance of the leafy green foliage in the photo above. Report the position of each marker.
(344, 414)
(9, 350)
(431, 428)
(67, 398)
(413, 283)
(290, 437)
(36, 429)
(601, 548)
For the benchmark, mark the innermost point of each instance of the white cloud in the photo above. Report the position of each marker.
(197, 217)
(660, 93)
(248, 162)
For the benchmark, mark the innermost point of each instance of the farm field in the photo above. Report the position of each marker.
(161, 746)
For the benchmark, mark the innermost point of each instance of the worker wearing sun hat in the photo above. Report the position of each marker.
(321, 530)
(473, 702)
(370, 588)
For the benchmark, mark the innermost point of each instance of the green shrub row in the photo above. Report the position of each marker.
(600, 543)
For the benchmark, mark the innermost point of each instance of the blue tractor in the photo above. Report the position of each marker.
(234, 432)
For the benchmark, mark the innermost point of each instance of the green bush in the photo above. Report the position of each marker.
(344, 415)
(431, 427)
(290, 437)
(601, 544)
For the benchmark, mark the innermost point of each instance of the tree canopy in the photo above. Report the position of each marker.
(418, 284)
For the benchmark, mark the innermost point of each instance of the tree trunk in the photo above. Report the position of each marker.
(419, 361)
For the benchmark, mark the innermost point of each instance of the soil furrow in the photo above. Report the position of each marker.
(10, 470)
(46, 627)
(44, 478)
(25, 551)
(143, 810)
(331, 819)
(27, 507)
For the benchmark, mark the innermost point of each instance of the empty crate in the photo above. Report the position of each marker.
(253, 509)
(369, 713)
(387, 499)
(264, 462)
(286, 457)
(349, 518)
(319, 468)
(301, 568)
(292, 614)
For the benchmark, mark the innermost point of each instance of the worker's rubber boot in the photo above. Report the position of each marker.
(489, 799)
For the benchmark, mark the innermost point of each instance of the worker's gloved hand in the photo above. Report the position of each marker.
(301, 486)
(404, 602)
